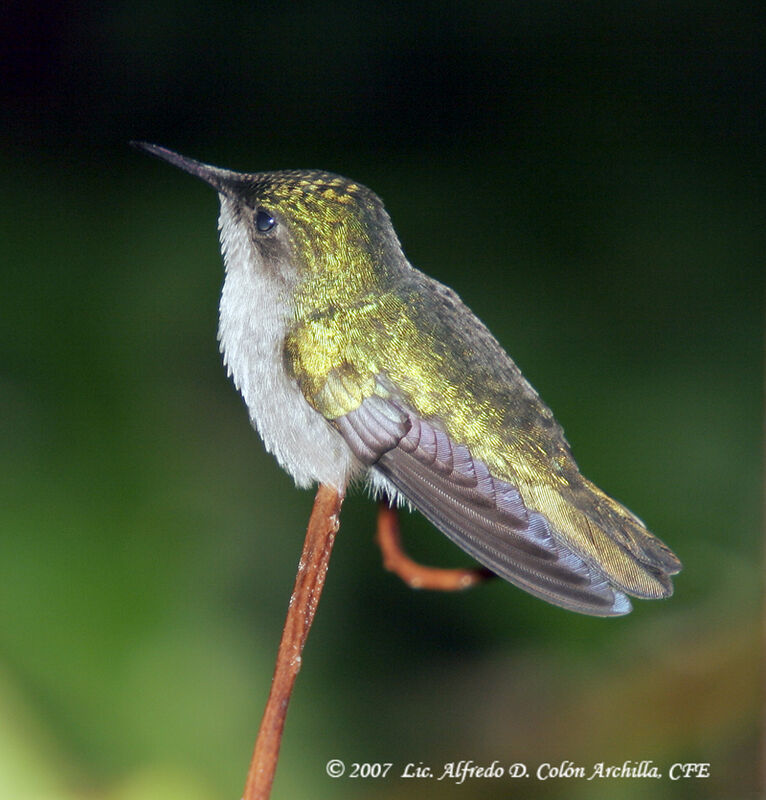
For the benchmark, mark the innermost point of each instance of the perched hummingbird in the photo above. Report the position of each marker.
(353, 364)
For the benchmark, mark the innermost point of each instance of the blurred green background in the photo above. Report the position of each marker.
(588, 177)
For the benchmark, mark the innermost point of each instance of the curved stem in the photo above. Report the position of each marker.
(309, 581)
(413, 574)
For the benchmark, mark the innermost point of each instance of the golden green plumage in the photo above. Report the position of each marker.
(335, 355)
(386, 356)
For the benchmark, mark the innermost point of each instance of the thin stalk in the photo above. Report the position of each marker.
(309, 581)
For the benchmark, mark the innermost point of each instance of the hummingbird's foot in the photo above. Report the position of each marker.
(415, 575)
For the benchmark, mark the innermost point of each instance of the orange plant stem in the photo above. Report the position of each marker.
(413, 574)
(312, 569)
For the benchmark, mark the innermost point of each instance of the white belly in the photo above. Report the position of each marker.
(253, 316)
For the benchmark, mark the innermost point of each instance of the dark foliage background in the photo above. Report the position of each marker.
(588, 177)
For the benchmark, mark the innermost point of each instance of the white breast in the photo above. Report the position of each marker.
(254, 311)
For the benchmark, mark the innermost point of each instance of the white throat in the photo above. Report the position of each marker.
(254, 313)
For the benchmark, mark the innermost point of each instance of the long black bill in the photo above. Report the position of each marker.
(222, 180)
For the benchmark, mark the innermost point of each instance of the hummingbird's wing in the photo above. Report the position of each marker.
(417, 387)
(483, 515)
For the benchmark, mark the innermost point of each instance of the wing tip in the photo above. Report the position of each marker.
(621, 605)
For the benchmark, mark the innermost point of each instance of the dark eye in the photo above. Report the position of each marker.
(264, 221)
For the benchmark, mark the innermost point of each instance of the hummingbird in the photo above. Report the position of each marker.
(354, 365)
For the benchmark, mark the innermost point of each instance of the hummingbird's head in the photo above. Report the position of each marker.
(302, 227)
